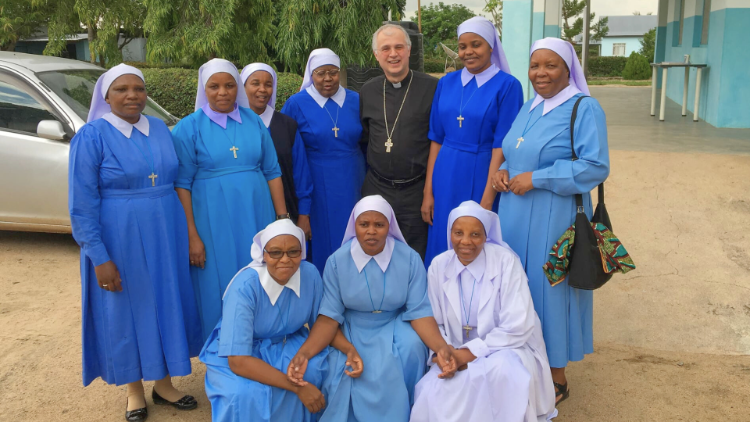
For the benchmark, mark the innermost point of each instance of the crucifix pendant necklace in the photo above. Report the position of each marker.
(335, 122)
(460, 117)
(389, 134)
(526, 130)
(380, 308)
(153, 175)
(285, 323)
(234, 148)
(467, 314)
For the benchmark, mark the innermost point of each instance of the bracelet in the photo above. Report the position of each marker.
(283, 216)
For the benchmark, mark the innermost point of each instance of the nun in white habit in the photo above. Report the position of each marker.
(481, 301)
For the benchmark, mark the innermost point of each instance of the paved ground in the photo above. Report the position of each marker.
(672, 338)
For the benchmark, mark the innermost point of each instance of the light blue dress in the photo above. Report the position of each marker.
(251, 326)
(150, 329)
(231, 198)
(463, 163)
(337, 166)
(393, 355)
(532, 223)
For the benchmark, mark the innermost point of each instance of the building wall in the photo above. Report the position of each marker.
(723, 102)
(631, 44)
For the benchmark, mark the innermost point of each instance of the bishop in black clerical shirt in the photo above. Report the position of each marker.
(395, 111)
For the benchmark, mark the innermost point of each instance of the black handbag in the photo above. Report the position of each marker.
(586, 269)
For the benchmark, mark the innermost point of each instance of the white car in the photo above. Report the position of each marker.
(44, 101)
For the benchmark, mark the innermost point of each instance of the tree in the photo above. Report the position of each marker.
(648, 45)
(344, 26)
(636, 68)
(20, 19)
(495, 9)
(103, 20)
(440, 22)
(573, 8)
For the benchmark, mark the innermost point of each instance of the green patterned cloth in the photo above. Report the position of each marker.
(614, 255)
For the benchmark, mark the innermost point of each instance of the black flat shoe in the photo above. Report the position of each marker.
(185, 403)
(562, 392)
(136, 415)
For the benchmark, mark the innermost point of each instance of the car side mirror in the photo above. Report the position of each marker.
(50, 129)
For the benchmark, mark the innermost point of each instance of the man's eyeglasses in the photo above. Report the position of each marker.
(323, 73)
(294, 253)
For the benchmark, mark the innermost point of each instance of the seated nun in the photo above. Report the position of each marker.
(387, 324)
(265, 309)
(481, 301)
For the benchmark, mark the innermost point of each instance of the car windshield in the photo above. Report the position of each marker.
(76, 86)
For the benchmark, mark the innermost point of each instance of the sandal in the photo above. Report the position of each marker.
(562, 390)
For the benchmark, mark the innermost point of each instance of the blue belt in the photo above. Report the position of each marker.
(211, 173)
(384, 315)
(466, 146)
(150, 192)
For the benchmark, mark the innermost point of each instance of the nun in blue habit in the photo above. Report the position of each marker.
(471, 112)
(541, 180)
(327, 115)
(139, 314)
(266, 307)
(375, 306)
(229, 183)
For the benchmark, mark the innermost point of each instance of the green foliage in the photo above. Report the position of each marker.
(437, 64)
(495, 9)
(607, 66)
(160, 65)
(648, 45)
(573, 8)
(345, 27)
(637, 67)
(20, 19)
(175, 89)
(440, 22)
(196, 31)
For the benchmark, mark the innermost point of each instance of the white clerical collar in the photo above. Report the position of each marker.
(274, 289)
(476, 267)
(482, 77)
(552, 103)
(267, 116)
(127, 128)
(382, 259)
(338, 97)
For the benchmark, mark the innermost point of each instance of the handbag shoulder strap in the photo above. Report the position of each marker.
(600, 190)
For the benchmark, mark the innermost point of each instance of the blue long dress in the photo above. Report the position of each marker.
(150, 328)
(393, 355)
(231, 198)
(251, 326)
(463, 163)
(532, 223)
(337, 166)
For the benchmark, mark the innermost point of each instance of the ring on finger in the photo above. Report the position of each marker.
(105, 285)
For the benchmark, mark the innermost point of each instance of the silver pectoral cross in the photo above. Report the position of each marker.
(519, 142)
(234, 149)
(388, 145)
(153, 178)
(460, 120)
(467, 328)
(377, 312)
(336, 131)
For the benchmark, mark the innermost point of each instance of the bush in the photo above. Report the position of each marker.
(175, 89)
(637, 67)
(144, 65)
(437, 64)
(607, 66)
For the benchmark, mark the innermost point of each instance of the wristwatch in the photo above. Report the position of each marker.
(283, 216)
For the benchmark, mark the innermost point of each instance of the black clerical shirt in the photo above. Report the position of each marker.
(411, 147)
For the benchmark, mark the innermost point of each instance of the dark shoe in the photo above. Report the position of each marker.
(185, 403)
(135, 415)
(562, 392)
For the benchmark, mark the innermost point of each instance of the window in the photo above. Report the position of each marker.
(706, 18)
(21, 108)
(682, 21)
(618, 49)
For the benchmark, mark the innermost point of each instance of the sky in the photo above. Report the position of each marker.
(600, 7)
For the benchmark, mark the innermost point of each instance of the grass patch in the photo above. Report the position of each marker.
(593, 81)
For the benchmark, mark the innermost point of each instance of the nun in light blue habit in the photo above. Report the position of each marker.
(266, 307)
(329, 124)
(229, 183)
(142, 324)
(540, 181)
(471, 112)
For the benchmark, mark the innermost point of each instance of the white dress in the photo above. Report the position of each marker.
(510, 380)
